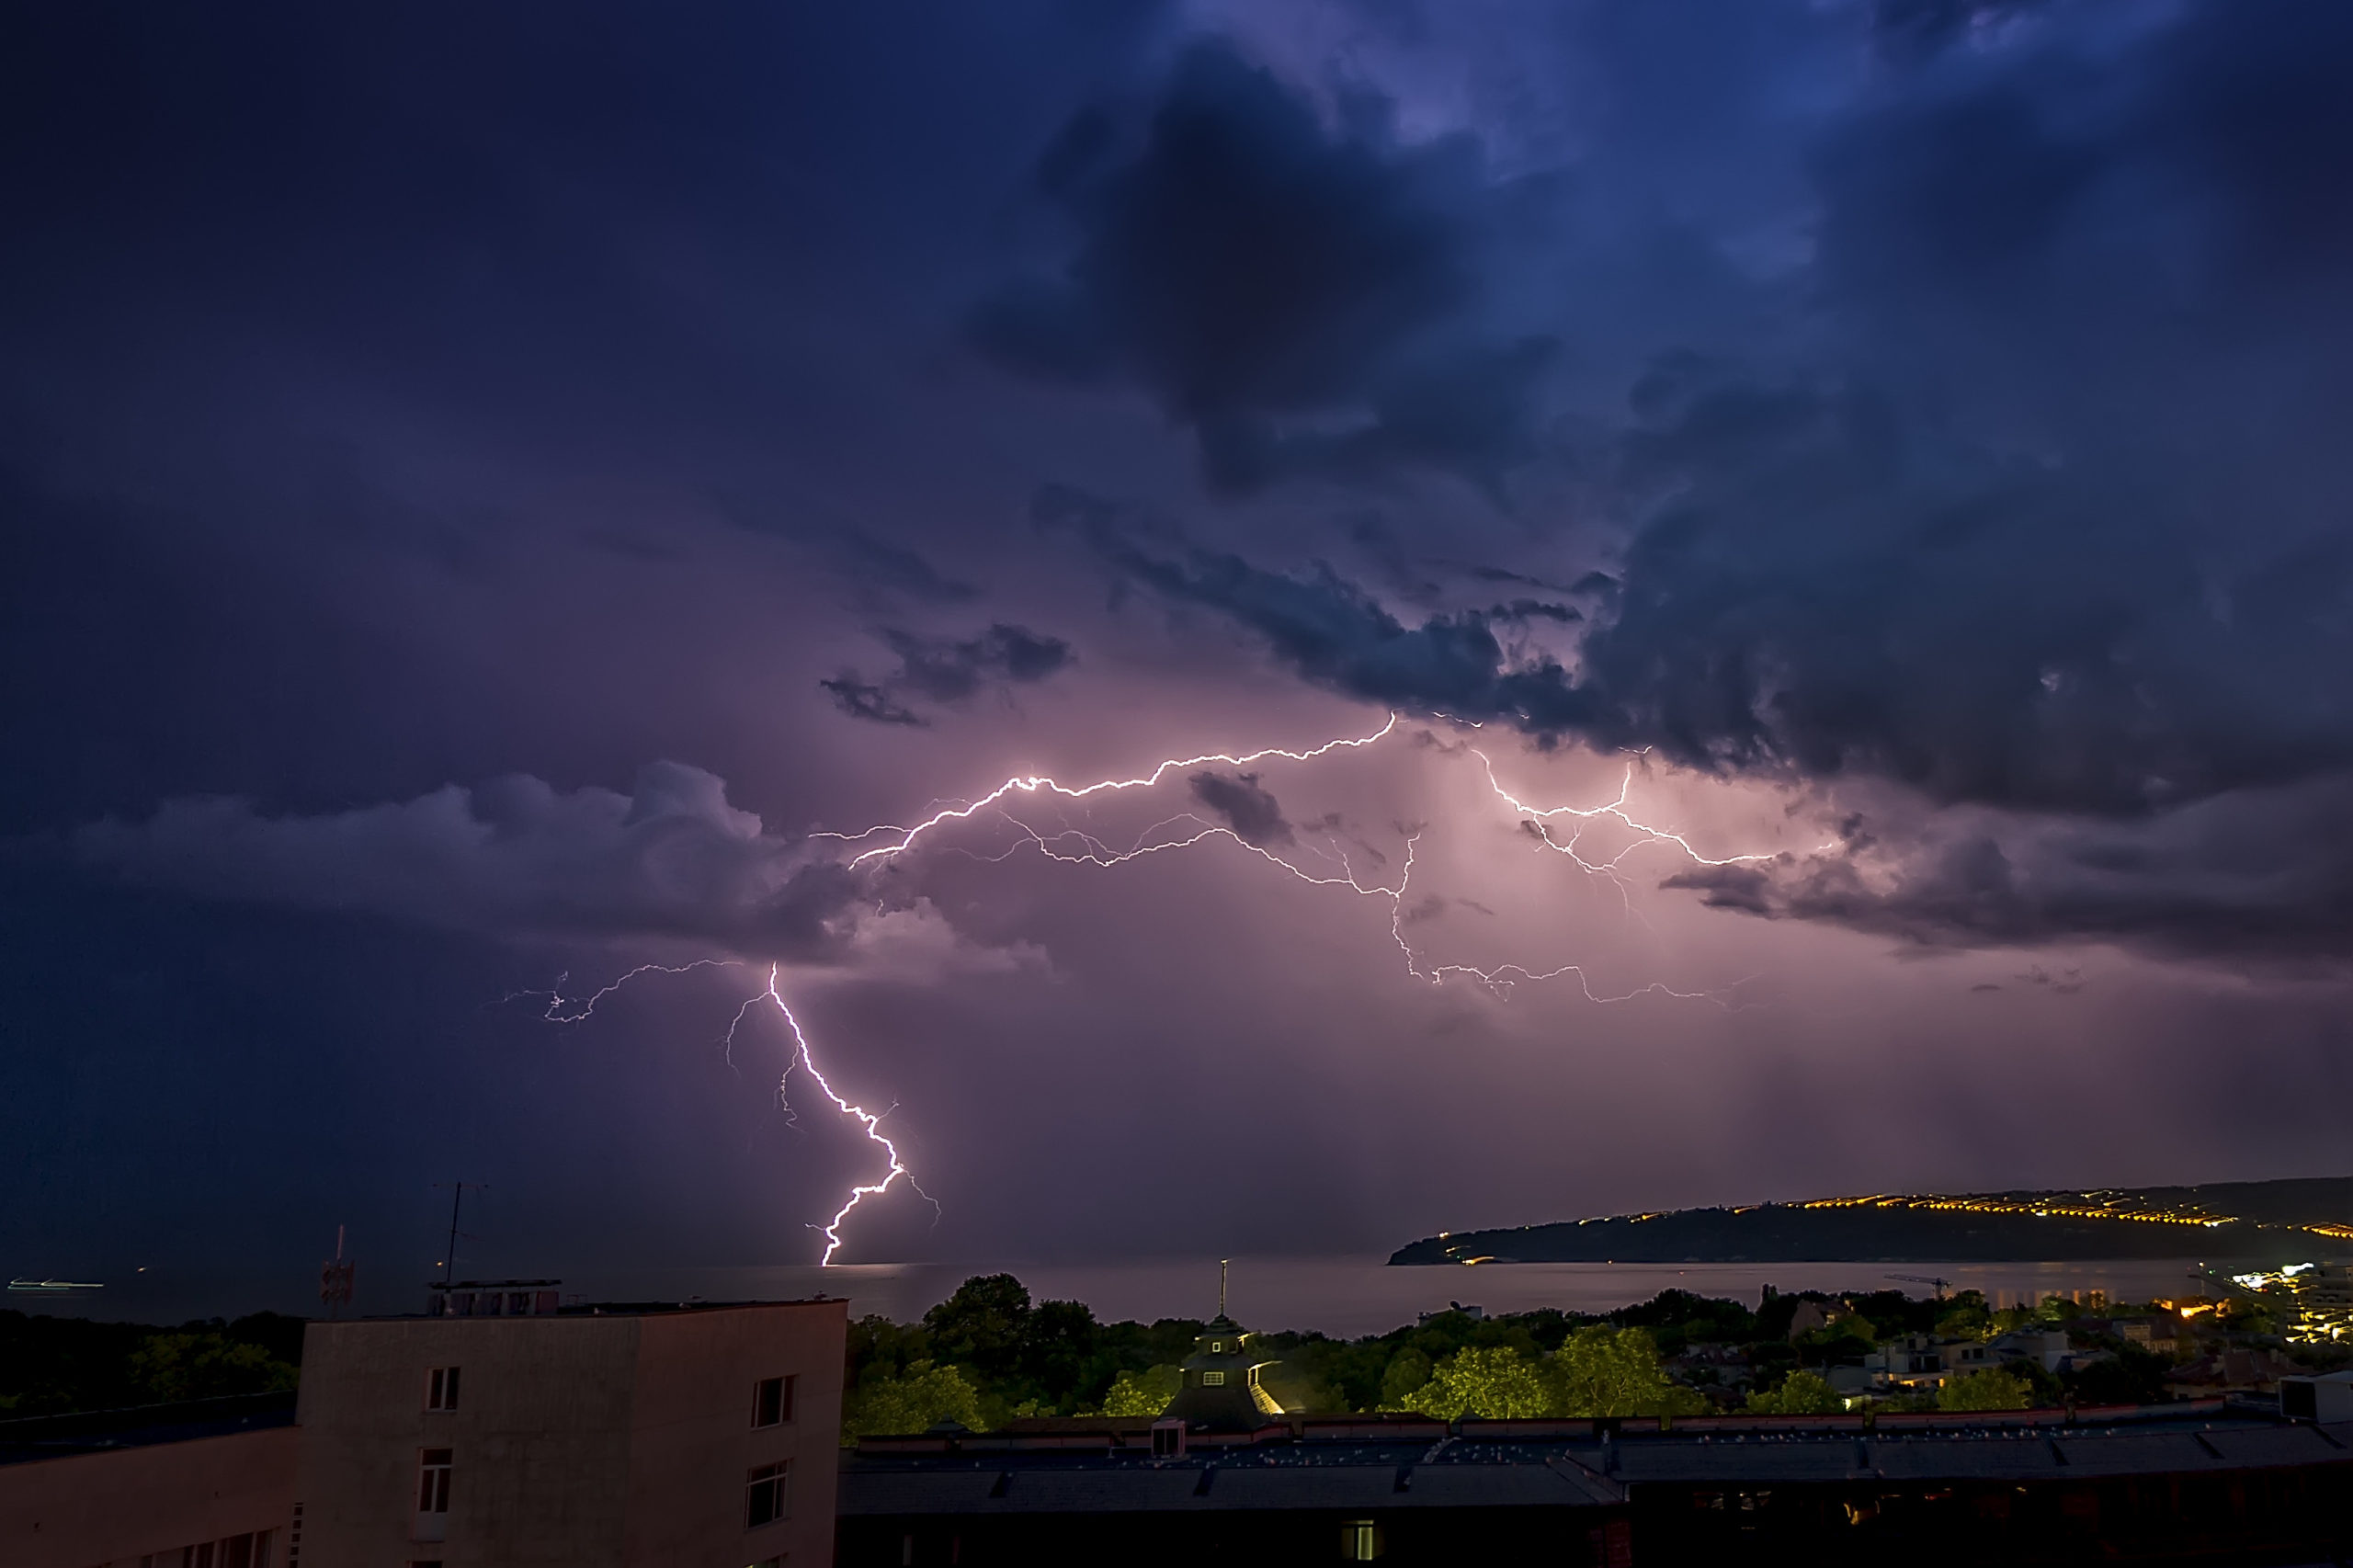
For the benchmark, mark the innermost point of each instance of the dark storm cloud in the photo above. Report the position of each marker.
(880, 566)
(512, 857)
(2262, 875)
(950, 670)
(1334, 634)
(864, 699)
(2049, 516)
(1253, 814)
(1911, 32)
(1293, 293)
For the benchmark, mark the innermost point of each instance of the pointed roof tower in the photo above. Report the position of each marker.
(1222, 1392)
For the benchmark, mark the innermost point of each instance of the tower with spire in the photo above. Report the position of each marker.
(1222, 1390)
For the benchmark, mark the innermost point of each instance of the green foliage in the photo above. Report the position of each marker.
(1965, 1316)
(49, 1365)
(1407, 1371)
(1605, 1371)
(1991, 1389)
(1800, 1393)
(1491, 1380)
(914, 1400)
(1021, 1357)
(984, 1326)
(1680, 1318)
(2134, 1376)
(1142, 1393)
(1046, 1359)
(206, 1366)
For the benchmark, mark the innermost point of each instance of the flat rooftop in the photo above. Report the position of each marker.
(1061, 1467)
(103, 1431)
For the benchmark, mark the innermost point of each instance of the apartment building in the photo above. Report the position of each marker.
(693, 1435)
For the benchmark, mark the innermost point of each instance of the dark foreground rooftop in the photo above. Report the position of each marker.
(2155, 1485)
(98, 1431)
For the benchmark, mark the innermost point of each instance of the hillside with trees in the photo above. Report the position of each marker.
(2276, 1221)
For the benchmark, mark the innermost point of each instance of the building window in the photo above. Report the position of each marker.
(441, 1389)
(772, 1402)
(1212, 1379)
(432, 1495)
(1361, 1541)
(765, 1498)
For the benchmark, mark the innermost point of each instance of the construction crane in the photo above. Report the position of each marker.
(1941, 1284)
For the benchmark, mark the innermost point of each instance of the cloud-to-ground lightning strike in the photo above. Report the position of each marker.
(562, 1009)
(1075, 847)
(872, 1122)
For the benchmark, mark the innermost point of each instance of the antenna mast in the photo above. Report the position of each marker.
(1221, 1285)
(335, 1280)
(457, 1196)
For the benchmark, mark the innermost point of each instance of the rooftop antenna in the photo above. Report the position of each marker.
(335, 1280)
(457, 1196)
(1221, 1285)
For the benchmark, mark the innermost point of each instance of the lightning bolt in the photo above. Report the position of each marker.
(806, 1060)
(1032, 784)
(1074, 846)
(563, 1009)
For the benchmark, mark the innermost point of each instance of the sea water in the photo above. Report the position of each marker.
(1346, 1297)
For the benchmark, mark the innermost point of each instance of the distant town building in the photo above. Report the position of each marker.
(502, 1433)
(2046, 1347)
(2231, 1371)
(1809, 1315)
(1925, 1361)
(209, 1481)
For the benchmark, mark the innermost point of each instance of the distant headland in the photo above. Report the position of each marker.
(2272, 1221)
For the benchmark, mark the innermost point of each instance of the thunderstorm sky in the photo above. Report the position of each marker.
(486, 491)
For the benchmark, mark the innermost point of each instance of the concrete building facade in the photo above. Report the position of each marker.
(205, 1485)
(687, 1436)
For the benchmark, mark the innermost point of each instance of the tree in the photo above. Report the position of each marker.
(1991, 1389)
(914, 1401)
(1606, 1371)
(1406, 1372)
(1491, 1380)
(1058, 1338)
(2127, 1375)
(1965, 1316)
(1142, 1393)
(1801, 1393)
(984, 1324)
(206, 1366)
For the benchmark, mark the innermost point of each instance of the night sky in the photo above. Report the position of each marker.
(481, 485)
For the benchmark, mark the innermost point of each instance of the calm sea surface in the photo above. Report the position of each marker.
(1349, 1296)
(1340, 1296)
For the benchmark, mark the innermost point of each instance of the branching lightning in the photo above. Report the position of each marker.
(872, 1122)
(1076, 846)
